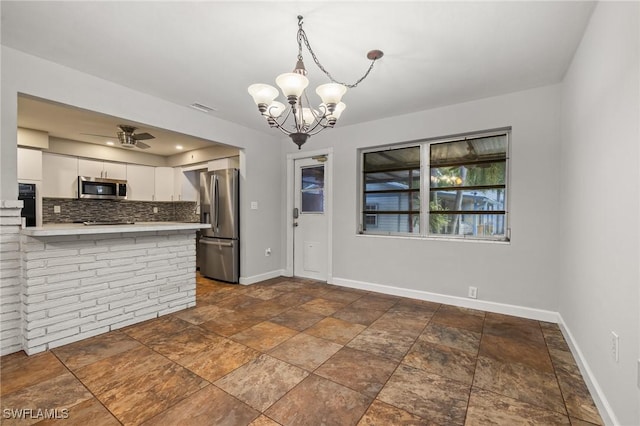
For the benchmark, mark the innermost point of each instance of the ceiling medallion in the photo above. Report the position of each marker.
(305, 121)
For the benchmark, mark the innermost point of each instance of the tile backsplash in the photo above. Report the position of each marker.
(74, 210)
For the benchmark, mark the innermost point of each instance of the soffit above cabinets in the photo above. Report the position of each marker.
(76, 124)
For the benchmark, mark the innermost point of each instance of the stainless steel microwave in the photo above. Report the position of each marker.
(100, 188)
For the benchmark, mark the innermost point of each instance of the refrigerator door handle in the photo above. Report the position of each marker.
(203, 241)
(217, 202)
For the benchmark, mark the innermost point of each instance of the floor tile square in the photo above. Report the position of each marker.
(18, 372)
(380, 413)
(222, 357)
(77, 355)
(453, 316)
(490, 408)
(305, 351)
(228, 325)
(110, 372)
(427, 395)
(318, 401)
(89, 412)
(208, 406)
(59, 392)
(264, 336)
(459, 338)
(200, 314)
(188, 341)
(520, 382)
(504, 349)
(142, 397)
(382, 343)
(336, 330)
(443, 360)
(357, 370)
(400, 323)
(323, 306)
(376, 302)
(157, 327)
(264, 421)
(297, 318)
(362, 316)
(261, 382)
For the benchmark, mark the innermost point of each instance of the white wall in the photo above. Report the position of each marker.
(522, 273)
(600, 194)
(22, 73)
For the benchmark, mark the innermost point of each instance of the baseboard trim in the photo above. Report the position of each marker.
(261, 277)
(599, 398)
(499, 308)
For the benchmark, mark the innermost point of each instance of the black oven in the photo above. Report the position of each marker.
(27, 193)
(99, 188)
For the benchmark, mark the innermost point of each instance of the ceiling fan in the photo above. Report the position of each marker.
(127, 137)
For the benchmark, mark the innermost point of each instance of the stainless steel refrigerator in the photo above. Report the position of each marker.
(219, 247)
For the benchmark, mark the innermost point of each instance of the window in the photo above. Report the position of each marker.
(460, 193)
(392, 185)
(312, 189)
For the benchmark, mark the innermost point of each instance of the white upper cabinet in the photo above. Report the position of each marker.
(140, 182)
(164, 184)
(59, 176)
(102, 169)
(29, 164)
(185, 185)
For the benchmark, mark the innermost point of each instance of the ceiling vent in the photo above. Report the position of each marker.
(201, 107)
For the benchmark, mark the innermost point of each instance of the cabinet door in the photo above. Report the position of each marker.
(140, 182)
(115, 170)
(163, 184)
(59, 176)
(29, 164)
(185, 185)
(90, 168)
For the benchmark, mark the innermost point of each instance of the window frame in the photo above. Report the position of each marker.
(425, 188)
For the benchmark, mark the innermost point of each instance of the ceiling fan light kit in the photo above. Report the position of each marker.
(305, 121)
(129, 139)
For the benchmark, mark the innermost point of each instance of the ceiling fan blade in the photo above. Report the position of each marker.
(142, 136)
(100, 136)
(142, 145)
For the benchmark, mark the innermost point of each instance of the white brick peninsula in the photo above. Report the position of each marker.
(79, 281)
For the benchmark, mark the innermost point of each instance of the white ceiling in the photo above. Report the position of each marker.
(436, 53)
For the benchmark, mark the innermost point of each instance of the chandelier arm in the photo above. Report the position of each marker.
(302, 36)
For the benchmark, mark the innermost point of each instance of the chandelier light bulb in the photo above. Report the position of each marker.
(331, 93)
(292, 84)
(308, 116)
(262, 93)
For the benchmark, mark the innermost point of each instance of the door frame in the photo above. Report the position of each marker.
(328, 206)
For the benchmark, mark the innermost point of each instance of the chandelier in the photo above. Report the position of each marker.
(305, 120)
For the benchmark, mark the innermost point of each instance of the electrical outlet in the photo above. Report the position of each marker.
(615, 346)
(254, 205)
(267, 251)
(155, 210)
(473, 292)
(56, 209)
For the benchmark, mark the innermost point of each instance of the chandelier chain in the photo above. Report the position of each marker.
(302, 37)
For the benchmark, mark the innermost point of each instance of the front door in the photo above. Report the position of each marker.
(310, 232)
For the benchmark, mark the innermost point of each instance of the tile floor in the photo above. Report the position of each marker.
(299, 352)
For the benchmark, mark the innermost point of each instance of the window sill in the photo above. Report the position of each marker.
(450, 239)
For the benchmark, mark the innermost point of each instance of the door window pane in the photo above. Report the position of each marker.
(312, 192)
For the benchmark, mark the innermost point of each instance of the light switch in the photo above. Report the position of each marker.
(254, 205)
(56, 209)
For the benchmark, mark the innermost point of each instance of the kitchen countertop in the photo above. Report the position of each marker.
(54, 229)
